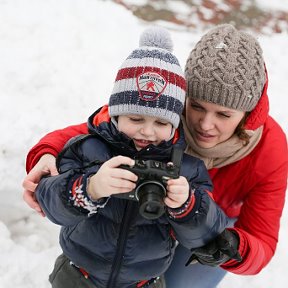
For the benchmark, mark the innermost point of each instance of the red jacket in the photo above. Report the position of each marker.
(252, 189)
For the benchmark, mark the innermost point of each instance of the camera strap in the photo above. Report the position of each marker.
(177, 155)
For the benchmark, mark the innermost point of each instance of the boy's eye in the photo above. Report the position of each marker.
(135, 119)
(162, 123)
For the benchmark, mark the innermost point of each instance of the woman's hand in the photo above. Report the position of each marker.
(218, 251)
(46, 165)
(110, 179)
(177, 192)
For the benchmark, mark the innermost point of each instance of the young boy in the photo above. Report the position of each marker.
(104, 237)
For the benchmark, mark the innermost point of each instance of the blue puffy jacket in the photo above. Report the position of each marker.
(109, 238)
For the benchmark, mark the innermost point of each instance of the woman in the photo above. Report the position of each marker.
(227, 125)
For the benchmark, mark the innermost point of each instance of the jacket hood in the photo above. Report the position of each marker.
(100, 124)
(259, 114)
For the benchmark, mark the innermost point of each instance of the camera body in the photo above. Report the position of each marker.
(151, 185)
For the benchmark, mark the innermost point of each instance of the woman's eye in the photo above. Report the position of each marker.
(196, 107)
(224, 115)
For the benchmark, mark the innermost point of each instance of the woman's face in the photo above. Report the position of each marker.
(211, 124)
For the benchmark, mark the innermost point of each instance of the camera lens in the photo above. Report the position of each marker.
(150, 195)
(152, 208)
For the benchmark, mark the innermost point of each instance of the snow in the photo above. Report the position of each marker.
(275, 4)
(58, 60)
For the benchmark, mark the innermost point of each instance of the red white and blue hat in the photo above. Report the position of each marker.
(150, 82)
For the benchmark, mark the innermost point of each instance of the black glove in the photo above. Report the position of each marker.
(223, 248)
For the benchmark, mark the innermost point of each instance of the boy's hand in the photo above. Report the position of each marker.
(177, 192)
(112, 180)
(46, 165)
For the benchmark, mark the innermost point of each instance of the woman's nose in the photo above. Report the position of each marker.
(206, 122)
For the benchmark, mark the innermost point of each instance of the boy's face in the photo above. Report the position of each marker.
(144, 130)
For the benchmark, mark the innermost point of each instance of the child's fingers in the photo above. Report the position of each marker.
(122, 184)
(119, 160)
(120, 173)
(177, 196)
(111, 168)
(179, 181)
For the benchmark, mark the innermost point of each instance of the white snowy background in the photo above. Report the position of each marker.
(58, 60)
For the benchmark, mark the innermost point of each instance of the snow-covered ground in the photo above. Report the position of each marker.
(58, 60)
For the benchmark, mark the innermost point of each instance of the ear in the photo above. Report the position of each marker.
(259, 114)
(184, 110)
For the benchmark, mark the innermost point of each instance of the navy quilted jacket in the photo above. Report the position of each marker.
(109, 238)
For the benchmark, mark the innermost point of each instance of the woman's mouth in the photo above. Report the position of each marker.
(204, 137)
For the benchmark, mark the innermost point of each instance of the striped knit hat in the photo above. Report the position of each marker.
(150, 82)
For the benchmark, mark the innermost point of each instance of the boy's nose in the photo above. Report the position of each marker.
(147, 130)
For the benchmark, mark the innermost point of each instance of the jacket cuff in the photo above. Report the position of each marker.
(34, 156)
(79, 198)
(185, 209)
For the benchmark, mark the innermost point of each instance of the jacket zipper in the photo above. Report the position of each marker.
(121, 244)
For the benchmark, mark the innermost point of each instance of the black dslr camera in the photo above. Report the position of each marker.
(151, 185)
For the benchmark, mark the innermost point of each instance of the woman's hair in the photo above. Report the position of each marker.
(240, 130)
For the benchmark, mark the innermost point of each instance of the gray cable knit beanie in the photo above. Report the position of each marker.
(226, 67)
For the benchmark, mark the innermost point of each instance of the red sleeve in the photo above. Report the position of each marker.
(259, 221)
(53, 143)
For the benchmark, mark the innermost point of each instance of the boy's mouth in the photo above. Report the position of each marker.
(141, 143)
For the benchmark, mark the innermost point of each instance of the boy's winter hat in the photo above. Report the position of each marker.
(226, 67)
(150, 81)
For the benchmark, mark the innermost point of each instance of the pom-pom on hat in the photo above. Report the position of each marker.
(150, 82)
(226, 67)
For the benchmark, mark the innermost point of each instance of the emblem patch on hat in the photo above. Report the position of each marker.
(150, 85)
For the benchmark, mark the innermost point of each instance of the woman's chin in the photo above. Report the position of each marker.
(205, 143)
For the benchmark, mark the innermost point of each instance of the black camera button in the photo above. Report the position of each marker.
(170, 165)
(156, 164)
(141, 164)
